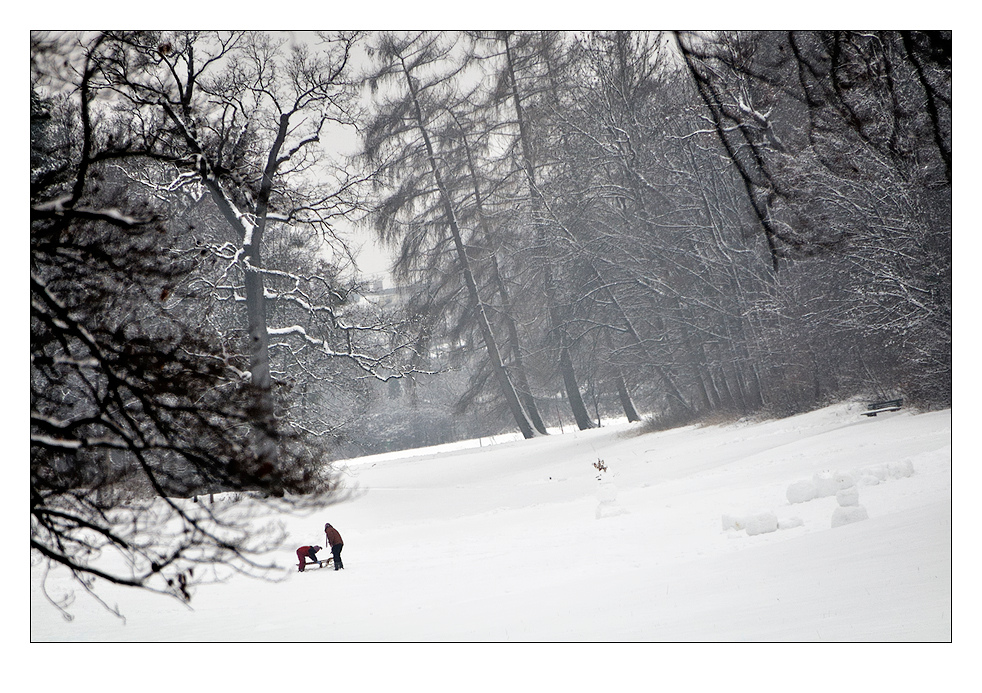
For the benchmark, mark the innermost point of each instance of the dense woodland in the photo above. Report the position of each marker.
(674, 226)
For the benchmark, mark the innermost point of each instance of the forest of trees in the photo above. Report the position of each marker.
(673, 223)
(670, 225)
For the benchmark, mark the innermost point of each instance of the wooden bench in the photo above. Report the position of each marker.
(880, 407)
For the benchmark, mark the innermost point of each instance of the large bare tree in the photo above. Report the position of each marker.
(133, 412)
(140, 387)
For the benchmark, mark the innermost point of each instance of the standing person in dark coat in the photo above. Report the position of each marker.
(305, 552)
(334, 541)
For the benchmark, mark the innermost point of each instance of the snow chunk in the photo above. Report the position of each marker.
(891, 470)
(848, 497)
(802, 491)
(825, 484)
(844, 516)
(901, 470)
(821, 485)
(761, 524)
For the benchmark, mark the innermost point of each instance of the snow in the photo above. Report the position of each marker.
(827, 526)
(845, 515)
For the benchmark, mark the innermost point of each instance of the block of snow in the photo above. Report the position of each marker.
(801, 491)
(825, 485)
(880, 471)
(846, 515)
(900, 470)
(754, 524)
(761, 524)
(848, 497)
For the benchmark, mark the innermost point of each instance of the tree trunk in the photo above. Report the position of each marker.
(262, 410)
(573, 395)
(265, 415)
(673, 392)
(490, 343)
(580, 414)
(521, 376)
(627, 403)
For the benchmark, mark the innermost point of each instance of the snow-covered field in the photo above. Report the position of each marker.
(828, 526)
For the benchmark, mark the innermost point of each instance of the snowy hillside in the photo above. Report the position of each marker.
(828, 526)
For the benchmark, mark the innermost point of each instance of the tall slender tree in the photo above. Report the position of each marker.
(412, 60)
(527, 164)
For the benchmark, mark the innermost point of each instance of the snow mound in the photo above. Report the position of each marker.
(846, 515)
(825, 484)
(849, 509)
(801, 492)
(848, 497)
(890, 470)
(761, 523)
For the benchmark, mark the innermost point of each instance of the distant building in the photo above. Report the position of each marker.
(375, 294)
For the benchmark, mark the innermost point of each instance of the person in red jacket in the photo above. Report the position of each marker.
(334, 541)
(305, 552)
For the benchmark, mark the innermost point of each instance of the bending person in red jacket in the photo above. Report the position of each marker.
(305, 552)
(334, 541)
